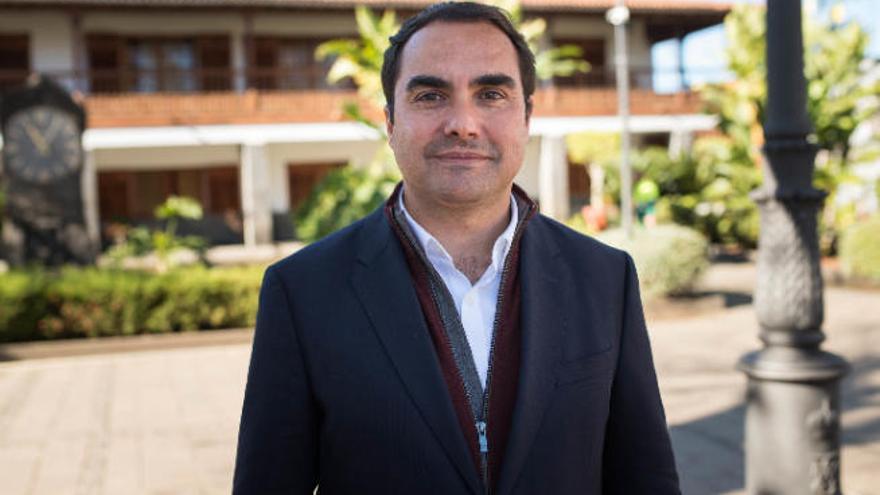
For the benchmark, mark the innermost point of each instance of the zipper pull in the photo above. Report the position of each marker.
(481, 436)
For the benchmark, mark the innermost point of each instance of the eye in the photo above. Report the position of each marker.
(492, 94)
(429, 96)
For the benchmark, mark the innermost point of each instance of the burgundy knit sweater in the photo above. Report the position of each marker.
(505, 355)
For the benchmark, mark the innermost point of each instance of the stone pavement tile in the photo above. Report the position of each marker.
(61, 468)
(125, 466)
(168, 463)
(34, 404)
(18, 465)
(702, 474)
(702, 391)
(214, 465)
(861, 468)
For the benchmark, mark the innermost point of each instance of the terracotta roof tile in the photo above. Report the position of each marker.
(638, 6)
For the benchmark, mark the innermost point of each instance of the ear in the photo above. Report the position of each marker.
(389, 122)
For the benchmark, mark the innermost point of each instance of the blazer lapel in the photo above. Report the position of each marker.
(382, 282)
(542, 327)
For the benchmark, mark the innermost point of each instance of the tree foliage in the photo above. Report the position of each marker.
(839, 98)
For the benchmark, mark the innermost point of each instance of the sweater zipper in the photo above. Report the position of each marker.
(482, 422)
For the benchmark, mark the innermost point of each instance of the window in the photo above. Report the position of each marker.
(289, 63)
(162, 65)
(593, 51)
(303, 177)
(128, 196)
(15, 60)
(106, 59)
(152, 64)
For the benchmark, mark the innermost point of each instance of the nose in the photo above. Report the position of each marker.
(462, 121)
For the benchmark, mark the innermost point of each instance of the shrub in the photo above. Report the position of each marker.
(93, 302)
(860, 250)
(22, 304)
(345, 195)
(197, 297)
(669, 258)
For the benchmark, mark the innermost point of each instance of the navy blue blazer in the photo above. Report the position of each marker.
(345, 392)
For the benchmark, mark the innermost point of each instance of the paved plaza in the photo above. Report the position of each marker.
(164, 420)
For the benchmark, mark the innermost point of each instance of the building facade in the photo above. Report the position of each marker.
(224, 101)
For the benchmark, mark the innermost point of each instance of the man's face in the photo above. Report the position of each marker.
(460, 126)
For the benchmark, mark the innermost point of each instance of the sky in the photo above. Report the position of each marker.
(704, 50)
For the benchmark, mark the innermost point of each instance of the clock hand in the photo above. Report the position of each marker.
(38, 139)
(52, 130)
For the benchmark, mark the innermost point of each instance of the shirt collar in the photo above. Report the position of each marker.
(433, 248)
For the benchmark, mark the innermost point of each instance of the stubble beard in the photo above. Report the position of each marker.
(466, 185)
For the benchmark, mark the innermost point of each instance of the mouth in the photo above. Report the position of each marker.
(461, 156)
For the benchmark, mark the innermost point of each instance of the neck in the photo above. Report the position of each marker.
(468, 233)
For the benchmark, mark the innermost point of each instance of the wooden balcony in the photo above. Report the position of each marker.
(248, 107)
(265, 107)
(122, 99)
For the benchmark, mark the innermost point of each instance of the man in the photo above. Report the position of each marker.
(454, 342)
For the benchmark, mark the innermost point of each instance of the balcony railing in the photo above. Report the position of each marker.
(116, 98)
(201, 80)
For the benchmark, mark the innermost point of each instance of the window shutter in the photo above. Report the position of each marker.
(264, 63)
(215, 62)
(106, 63)
(15, 59)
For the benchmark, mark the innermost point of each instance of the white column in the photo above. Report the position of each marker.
(255, 195)
(239, 60)
(89, 189)
(553, 177)
(597, 185)
(680, 141)
(280, 185)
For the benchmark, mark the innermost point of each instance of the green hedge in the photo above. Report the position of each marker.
(93, 302)
(860, 250)
(669, 258)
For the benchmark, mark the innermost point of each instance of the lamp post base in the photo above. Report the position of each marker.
(792, 427)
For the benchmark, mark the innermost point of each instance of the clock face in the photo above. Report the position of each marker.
(42, 144)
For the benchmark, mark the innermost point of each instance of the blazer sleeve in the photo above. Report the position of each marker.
(638, 455)
(277, 445)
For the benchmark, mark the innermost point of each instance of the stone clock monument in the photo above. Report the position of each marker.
(42, 176)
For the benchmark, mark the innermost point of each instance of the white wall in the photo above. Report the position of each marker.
(181, 157)
(51, 32)
(596, 27)
(50, 37)
(280, 23)
(306, 23)
(161, 22)
(527, 178)
(357, 152)
(579, 27)
(637, 43)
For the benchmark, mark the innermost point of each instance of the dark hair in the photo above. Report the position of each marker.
(457, 12)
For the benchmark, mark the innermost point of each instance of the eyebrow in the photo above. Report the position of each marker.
(427, 81)
(494, 80)
(423, 80)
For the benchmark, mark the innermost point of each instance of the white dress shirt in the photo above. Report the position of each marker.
(475, 303)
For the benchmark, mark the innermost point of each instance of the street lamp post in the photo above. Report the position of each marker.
(618, 16)
(793, 400)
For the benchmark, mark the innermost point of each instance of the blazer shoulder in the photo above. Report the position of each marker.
(574, 243)
(329, 255)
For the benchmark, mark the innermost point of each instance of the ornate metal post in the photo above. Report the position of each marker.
(793, 399)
